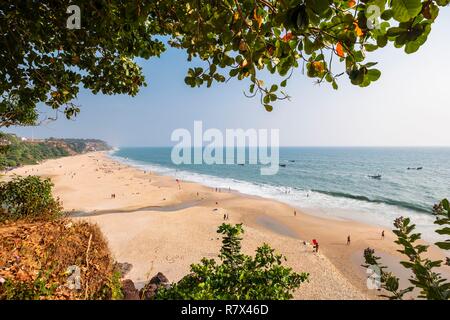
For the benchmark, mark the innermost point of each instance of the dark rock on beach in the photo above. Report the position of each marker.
(129, 290)
(149, 291)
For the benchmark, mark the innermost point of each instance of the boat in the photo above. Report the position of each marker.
(282, 165)
(378, 176)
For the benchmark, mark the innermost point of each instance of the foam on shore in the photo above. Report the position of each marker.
(313, 202)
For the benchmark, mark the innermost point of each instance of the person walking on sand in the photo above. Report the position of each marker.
(295, 213)
(348, 240)
(224, 216)
(315, 245)
(382, 235)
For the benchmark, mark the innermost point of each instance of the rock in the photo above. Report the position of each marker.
(149, 291)
(129, 290)
(123, 268)
(159, 279)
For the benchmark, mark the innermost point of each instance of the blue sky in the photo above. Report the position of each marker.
(408, 106)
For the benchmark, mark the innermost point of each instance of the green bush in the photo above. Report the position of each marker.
(431, 284)
(238, 277)
(28, 197)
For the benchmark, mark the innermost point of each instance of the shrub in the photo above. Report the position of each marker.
(28, 197)
(238, 276)
(431, 284)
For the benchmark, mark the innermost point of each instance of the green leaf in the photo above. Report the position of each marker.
(370, 47)
(443, 245)
(405, 10)
(268, 107)
(374, 74)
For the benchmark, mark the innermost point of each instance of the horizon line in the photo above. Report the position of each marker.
(304, 146)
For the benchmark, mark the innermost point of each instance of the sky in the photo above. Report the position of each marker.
(408, 106)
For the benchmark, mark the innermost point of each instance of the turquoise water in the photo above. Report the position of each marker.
(329, 181)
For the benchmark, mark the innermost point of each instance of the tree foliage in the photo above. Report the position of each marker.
(28, 198)
(14, 152)
(41, 60)
(431, 284)
(239, 276)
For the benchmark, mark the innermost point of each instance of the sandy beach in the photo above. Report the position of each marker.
(160, 225)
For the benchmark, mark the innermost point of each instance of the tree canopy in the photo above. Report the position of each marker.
(44, 61)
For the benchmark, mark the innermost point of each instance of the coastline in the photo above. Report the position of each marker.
(156, 225)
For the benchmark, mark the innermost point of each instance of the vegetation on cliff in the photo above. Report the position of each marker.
(15, 152)
(46, 256)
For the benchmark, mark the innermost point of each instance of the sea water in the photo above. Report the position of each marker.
(330, 182)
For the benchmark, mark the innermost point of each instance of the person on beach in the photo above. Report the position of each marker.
(224, 216)
(315, 245)
(295, 213)
(348, 240)
(382, 235)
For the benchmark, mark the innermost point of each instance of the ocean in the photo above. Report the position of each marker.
(331, 182)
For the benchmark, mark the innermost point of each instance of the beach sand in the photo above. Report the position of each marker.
(160, 225)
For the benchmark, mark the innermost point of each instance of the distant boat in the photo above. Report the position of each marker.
(282, 165)
(241, 164)
(378, 176)
(291, 160)
(418, 168)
